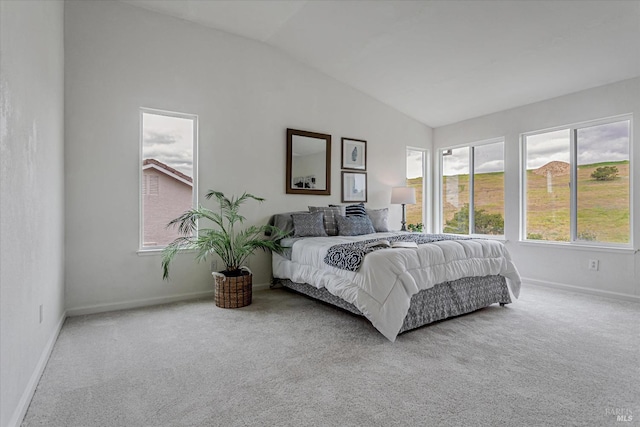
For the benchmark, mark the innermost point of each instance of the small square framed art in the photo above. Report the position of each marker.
(354, 187)
(354, 154)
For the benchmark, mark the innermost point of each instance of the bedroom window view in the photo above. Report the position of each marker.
(603, 190)
(488, 189)
(599, 165)
(415, 179)
(548, 173)
(455, 190)
(473, 203)
(168, 142)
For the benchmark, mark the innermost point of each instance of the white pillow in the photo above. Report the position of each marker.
(379, 219)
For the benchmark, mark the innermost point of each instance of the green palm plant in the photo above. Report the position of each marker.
(231, 245)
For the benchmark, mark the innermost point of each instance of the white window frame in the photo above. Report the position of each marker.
(426, 185)
(194, 117)
(439, 216)
(573, 210)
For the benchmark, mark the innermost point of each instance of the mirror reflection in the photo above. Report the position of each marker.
(308, 162)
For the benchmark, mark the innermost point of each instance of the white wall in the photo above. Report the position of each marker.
(246, 94)
(549, 264)
(31, 196)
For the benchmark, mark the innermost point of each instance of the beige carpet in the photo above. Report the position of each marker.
(553, 358)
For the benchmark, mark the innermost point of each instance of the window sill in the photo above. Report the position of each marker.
(480, 236)
(578, 246)
(150, 251)
(158, 251)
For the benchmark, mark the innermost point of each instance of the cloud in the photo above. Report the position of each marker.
(457, 162)
(169, 140)
(490, 166)
(414, 164)
(157, 138)
(601, 143)
(489, 158)
(547, 147)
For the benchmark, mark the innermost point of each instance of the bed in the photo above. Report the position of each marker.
(398, 289)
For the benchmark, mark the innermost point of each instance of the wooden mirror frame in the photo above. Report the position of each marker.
(290, 189)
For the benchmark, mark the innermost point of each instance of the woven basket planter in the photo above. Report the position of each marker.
(233, 292)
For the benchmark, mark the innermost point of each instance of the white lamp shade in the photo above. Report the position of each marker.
(403, 196)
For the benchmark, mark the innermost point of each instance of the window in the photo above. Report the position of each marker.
(168, 144)
(472, 188)
(576, 183)
(416, 161)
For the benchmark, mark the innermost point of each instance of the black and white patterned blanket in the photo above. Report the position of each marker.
(349, 256)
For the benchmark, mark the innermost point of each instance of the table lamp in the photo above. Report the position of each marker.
(403, 196)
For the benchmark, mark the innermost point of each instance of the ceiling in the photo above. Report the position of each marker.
(440, 62)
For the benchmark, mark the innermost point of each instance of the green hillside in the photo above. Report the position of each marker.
(603, 205)
(414, 212)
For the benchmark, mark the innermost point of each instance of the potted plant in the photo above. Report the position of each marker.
(233, 285)
(415, 228)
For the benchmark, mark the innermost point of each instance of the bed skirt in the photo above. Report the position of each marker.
(440, 302)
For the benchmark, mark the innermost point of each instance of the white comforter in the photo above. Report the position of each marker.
(387, 279)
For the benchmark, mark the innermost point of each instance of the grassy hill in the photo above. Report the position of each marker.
(414, 212)
(603, 205)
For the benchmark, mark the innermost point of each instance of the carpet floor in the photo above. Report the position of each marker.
(552, 358)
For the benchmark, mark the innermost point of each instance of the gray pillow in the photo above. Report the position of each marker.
(330, 213)
(309, 225)
(354, 225)
(379, 219)
(284, 222)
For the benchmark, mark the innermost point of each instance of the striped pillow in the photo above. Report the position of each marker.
(356, 210)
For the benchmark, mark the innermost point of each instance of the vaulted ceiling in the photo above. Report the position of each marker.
(440, 62)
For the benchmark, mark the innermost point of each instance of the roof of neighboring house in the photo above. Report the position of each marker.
(166, 169)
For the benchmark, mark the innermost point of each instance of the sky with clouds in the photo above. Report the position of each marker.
(414, 163)
(169, 140)
(602, 143)
(487, 158)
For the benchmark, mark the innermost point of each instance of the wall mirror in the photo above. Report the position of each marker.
(308, 163)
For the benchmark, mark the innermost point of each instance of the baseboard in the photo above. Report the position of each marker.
(261, 286)
(25, 400)
(597, 292)
(101, 308)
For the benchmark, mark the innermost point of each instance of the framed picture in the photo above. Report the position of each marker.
(354, 187)
(354, 154)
